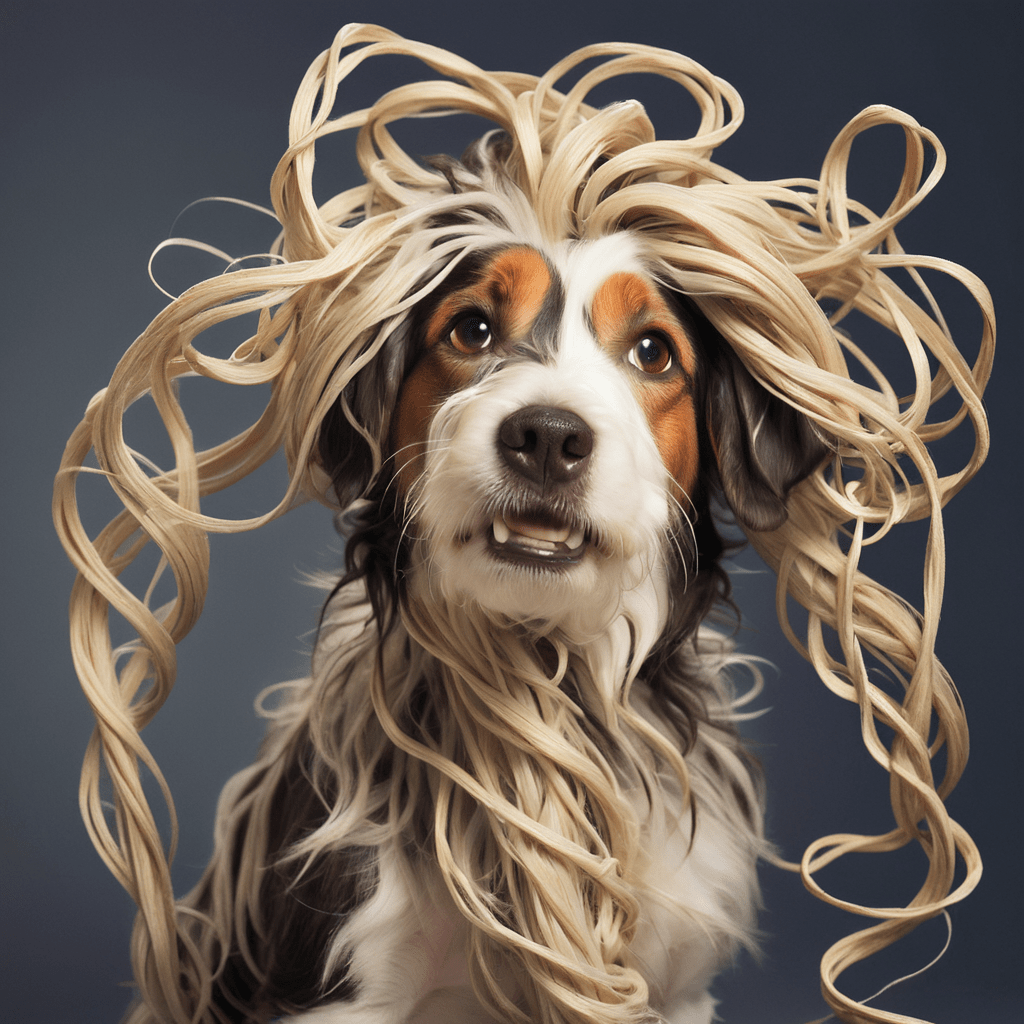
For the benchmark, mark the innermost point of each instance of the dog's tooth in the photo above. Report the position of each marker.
(501, 531)
(536, 543)
(549, 534)
(575, 539)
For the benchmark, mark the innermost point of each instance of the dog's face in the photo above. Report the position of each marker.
(553, 423)
(546, 438)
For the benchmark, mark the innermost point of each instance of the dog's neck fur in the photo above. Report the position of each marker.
(527, 770)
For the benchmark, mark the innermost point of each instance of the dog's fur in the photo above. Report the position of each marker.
(475, 809)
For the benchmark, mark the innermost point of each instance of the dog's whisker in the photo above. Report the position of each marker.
(685, 557)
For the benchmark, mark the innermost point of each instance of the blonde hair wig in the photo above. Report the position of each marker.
(781, 269)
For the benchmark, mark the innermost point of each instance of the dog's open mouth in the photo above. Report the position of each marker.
(537, 538)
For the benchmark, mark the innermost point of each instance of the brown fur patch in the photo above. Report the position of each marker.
(422, 394)
(625, 307)
(510, 291)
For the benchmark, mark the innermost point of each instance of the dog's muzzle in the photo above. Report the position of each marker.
(548, 451)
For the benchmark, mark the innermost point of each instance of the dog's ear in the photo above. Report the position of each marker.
(369, 399)
(762, 446)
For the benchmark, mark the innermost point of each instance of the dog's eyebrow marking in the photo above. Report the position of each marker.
(624, 308)
(512, 288)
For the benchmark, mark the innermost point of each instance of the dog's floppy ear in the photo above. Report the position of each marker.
(762, 446)
(368, 400)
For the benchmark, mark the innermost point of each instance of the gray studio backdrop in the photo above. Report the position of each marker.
(115, 118)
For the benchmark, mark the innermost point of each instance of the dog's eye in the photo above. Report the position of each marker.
(651, 354)
(471, 334)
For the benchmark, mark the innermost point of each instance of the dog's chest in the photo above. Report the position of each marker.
(410, 953)
(410, 948)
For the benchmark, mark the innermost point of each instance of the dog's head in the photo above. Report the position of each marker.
(554, 424)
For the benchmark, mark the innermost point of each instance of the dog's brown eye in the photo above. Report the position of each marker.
(470, 335)
(651, 354)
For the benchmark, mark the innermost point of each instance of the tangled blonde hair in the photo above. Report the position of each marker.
(761, 260)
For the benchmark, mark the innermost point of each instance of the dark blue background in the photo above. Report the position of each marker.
(115, 117)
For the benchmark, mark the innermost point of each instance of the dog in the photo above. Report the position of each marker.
(537, 383)
(514, 770)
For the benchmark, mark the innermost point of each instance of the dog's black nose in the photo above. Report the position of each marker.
(546, 445)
